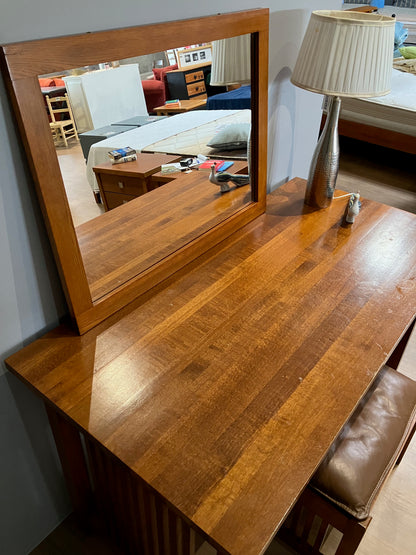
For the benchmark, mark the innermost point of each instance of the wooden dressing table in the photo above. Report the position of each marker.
(208, 403)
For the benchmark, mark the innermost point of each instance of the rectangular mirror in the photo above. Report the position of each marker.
(147, 223)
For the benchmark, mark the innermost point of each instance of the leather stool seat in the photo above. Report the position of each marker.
(359, 460)
(353, 471)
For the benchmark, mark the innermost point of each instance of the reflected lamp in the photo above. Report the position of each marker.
(231, 61)
(343, 53)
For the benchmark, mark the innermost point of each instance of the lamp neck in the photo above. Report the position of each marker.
(333, 113)
(324, 166)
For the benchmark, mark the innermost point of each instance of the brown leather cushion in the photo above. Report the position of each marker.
(360, 458)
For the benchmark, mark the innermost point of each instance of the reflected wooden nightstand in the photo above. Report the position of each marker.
(120, 183)
(185, 106)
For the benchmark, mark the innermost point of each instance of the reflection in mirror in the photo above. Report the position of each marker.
(167, 108)
(147, 223)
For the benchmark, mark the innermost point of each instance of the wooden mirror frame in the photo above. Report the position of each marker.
(22, 63)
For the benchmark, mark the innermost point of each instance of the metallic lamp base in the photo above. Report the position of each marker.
(325, 162)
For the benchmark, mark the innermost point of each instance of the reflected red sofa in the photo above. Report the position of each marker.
(156, 90)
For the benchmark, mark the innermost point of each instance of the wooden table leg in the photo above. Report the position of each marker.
(71, 453)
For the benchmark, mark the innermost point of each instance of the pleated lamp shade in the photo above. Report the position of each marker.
(346, 53)
(231, 61)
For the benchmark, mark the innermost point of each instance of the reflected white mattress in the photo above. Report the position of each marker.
(395, 111)
(185, 133)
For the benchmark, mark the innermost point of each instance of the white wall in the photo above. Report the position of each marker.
(33, 498)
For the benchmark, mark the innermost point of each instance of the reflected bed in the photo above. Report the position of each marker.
(185, 134)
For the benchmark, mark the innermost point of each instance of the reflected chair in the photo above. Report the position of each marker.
(62, 122)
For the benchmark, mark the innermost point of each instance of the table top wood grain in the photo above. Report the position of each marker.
(224, 386)
(150, 227)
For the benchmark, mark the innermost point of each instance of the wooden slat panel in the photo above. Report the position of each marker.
(136, 518)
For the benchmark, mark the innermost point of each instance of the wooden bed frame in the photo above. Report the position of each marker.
(375, 135)
(378, 136)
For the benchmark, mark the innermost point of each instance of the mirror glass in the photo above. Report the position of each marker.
(162, 105)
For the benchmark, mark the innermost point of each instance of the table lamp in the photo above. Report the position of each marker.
(343, 53)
